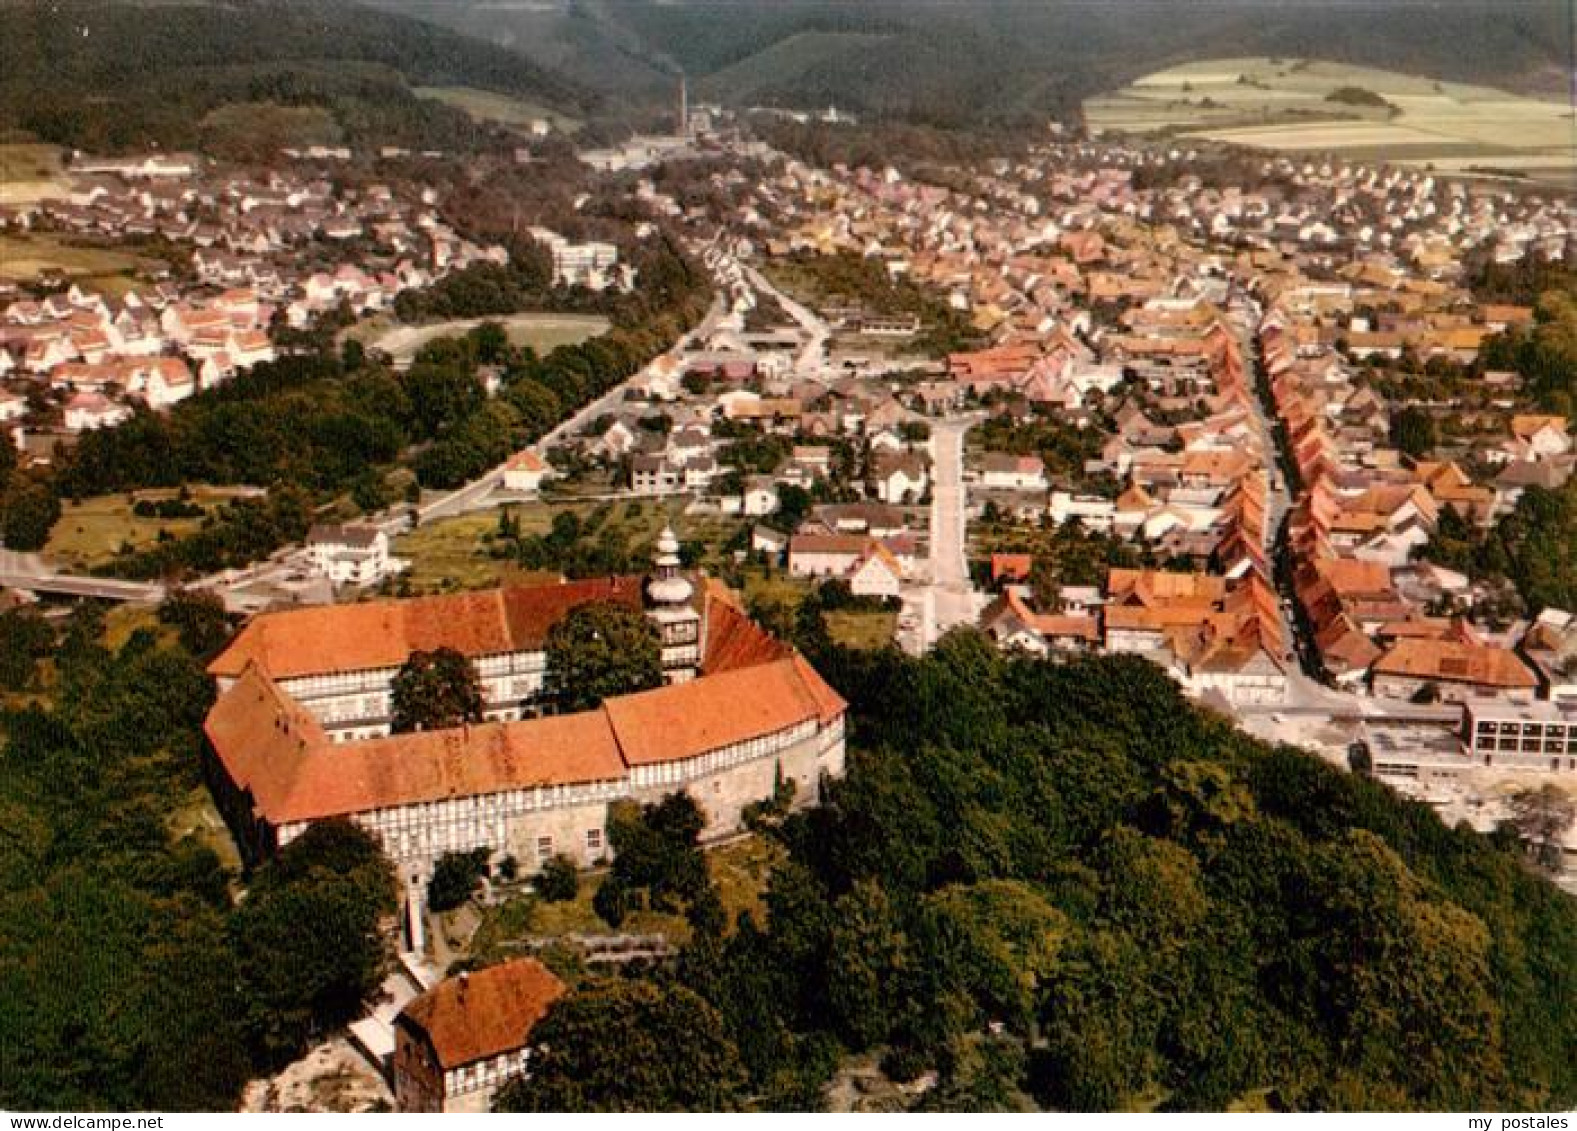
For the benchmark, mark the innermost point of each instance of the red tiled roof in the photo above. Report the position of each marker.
(275, 750)
(685, 720)
(733, 640)
(379, 634)
(484, 1014)
(1450, 661)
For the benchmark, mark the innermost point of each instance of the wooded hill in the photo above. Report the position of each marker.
(1061, 885)
(997, 61)
(103, 75)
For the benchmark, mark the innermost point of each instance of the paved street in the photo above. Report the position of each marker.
(951, 600)
(812, 360)
(32, 573)
(477, 494)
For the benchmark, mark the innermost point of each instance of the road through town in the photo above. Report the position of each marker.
(950, 599)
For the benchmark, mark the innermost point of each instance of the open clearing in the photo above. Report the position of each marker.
(456, 553)
(92, 532)
(1282, 105)
(490, 106)
(26, 257)
(30, 172)
(542, 332)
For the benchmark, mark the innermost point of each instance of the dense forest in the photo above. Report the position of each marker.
(105, 75)
(1061, 885)
(1051, 885)
(130, 978)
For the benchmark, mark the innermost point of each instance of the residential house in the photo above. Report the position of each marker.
(1452, 670)
(468, 1036)
(1000, 471)
(351, 555)
(525, 472)
(900, 478)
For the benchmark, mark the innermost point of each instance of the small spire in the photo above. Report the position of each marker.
(668, 586)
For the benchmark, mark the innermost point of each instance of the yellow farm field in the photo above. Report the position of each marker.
(26, 257)
(1285, 106)
(30, 172)
(1320, 135)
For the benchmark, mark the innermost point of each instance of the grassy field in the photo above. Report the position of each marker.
(542, 332)
(454, 553)
(489, 106)
(862, 629)
(26, 257)
(30, 172)
(1283, 105)
(91, 533)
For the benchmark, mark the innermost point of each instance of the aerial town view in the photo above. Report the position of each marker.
(805, 556)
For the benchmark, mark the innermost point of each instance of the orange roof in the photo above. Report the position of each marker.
(1011, 566)
(1527, 425)
(527, 459)
(1451, 661)
(383, 634)
(273, 749)
(684, 720)
(484, 1014)
(1158, 599)
(1351, 577)
(732, 640)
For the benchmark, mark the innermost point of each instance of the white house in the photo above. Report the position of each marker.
(900, 478)
(761, 497)
(876, 574)
(1013, 473)
(87, 411)
(351, 555)
(1092, 511)
(525, 472)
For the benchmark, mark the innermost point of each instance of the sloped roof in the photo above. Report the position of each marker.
(480, 1015)
(381, 634)
(752, 685)
(1450, 661)
(684, 720)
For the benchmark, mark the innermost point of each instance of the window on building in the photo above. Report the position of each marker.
(544, 847)
(593, 840)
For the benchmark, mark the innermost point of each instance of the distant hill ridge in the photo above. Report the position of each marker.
(996, 60)
(112, 74)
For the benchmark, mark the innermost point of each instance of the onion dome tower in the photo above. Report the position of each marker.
(670, 604)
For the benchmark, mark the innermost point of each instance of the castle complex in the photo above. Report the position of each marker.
(301, 729)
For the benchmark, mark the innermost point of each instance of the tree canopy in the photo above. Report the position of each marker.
(622, 1045)
(433, 690)
(599, 650)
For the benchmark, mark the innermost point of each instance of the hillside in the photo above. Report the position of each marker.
(997, 60)
(112, 74)
(1060, 886)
